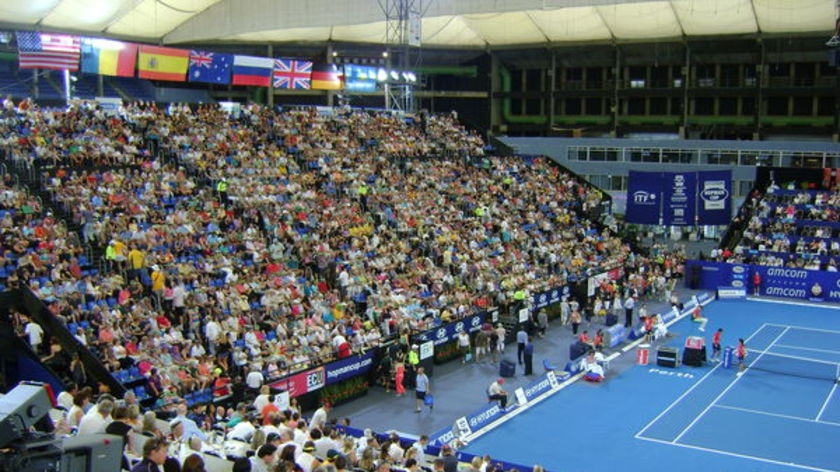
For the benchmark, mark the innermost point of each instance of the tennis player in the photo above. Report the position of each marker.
(741, 354)
(716, 344)
(697, 317)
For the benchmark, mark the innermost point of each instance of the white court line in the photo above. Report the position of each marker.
(742, 456)
(724, 391)
(787, 302)
(830, 394)
(798, 358)
(776, 415)
(813, 349)
(805, 328)
(679, 399)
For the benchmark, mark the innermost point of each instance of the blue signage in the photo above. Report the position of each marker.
(449, 332)
(783, 282)
(349, 367)
(679, 195)
(714, 205)
(644, 197)
(549, 297)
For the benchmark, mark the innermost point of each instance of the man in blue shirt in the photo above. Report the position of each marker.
(422, 388)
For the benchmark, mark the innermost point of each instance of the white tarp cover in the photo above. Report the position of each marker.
(472, 23)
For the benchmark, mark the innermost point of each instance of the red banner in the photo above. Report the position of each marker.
(302, 383)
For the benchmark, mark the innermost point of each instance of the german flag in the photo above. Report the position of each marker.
(326, 77)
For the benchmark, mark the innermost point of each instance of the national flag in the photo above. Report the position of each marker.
(250, 70)
(159, 63)
(326, 77)
(48, 51)
(107, 57)
(210, 67)
(289, 74)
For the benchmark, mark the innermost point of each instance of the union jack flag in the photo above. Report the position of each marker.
(289, 74)
(201, 58)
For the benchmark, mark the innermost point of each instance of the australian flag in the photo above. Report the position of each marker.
(289, 74)
(210, 67)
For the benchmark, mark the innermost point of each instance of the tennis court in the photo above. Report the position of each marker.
(782, 414)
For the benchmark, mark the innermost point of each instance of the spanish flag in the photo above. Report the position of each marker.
(158, 63)
(107, 57)
(325, 77)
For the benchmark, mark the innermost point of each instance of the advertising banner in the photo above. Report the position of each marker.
(679, 194)
(644, 195)
(782, 282)
(301, 383)
(349, 367)
(715, 203)
(549, 297)
(449, 332)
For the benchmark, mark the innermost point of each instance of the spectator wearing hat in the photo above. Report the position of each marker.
(306, 459)
(496, 393)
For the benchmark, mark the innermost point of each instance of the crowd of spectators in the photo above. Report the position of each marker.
(255, 245)
(331, 231)
(788, 228)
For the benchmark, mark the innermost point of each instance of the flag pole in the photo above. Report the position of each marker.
(67, 86)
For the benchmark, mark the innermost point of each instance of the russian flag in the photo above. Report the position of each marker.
(250, 70)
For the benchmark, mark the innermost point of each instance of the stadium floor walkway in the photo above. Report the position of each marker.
(460, 389)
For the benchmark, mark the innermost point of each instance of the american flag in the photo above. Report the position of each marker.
(201, 58)
(48, 51)
(290, 74)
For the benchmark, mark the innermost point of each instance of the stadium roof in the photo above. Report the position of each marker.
(450, 23)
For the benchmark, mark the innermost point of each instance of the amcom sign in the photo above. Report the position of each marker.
(789, 273)
(786, 292)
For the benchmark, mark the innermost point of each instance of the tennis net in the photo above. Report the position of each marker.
(796, 366)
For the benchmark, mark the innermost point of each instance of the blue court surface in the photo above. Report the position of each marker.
(782, 414)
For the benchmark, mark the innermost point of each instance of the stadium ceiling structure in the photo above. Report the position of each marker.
(445, 23)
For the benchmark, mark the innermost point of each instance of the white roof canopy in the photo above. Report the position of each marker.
(451, 23)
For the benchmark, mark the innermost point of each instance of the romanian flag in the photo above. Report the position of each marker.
(250, 70)
(159, 63)
(326, 77)
(107, 57)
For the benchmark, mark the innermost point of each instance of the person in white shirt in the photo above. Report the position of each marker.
(262, 399)
(97, 418)
(254, 379)
(243, 431)
(211, 333)
(65, 398)
(319, 418)
(35, 333)
(265, 458)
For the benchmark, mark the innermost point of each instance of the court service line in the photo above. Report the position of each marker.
(777, 415)
(813, 349)
(830, 394)
(680, 398)
(789, 302)
(804, 328)
(739, 455)
(731, 384)
(798, 358)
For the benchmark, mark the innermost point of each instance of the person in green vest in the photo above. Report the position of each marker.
(413, 363)
(362, 191)
(222, 190)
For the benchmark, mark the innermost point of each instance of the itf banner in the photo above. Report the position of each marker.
(715, 191)
(679, 198)
(644, 194)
